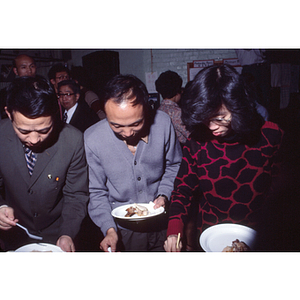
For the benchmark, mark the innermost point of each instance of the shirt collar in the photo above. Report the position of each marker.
(70, 112)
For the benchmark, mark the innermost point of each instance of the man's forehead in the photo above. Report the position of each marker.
(62, 73)
(24, 60)
(21, 119)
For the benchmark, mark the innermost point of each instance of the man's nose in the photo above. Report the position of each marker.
(127, 132)
(34, 138)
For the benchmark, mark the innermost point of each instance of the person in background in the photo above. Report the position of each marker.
(230, 159)
(256, 68)
(43, 169)
(80, 75)
(76, 113)
(169, 85)
(56, 74)
(23, 65)
(133, 157)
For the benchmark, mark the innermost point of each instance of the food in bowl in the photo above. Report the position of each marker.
(137, 209)
(237, 246)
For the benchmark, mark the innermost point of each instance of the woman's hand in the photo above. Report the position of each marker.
(171, 244)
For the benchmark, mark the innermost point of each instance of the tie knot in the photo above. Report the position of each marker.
(30, 159)
(27, 151)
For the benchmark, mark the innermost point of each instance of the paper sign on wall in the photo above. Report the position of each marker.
(151, 77)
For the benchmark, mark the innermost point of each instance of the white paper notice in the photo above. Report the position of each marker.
(150, 81)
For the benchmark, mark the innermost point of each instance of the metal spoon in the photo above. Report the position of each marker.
(29, 234)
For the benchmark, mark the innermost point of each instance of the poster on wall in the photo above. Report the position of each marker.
(150, 81)
(197, 65)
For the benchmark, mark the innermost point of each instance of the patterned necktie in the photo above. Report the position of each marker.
(30, 159)
(65, 117)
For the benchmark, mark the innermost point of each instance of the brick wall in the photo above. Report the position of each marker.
(176, 59)
(140, 61)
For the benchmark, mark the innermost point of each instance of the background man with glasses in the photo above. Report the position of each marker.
(76, 110)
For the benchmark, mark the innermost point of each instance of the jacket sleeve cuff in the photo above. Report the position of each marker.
(175, 226)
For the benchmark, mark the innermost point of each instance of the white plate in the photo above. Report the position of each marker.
(217, 237)
(120, 212)
(40, 247)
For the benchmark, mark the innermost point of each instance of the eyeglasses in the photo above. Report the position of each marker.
(220, 121)
(61, 77)
(60, 95)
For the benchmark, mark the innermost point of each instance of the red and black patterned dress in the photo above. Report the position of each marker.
(230, 179)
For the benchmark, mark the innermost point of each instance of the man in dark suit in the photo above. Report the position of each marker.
(76, 110)
(50, 200)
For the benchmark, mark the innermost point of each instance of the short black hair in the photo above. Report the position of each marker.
(127, 87)
(33, 97)
(168, 84)
(213, 87)
(71, 83)
(57, 68)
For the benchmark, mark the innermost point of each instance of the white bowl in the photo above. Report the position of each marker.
(217, 237)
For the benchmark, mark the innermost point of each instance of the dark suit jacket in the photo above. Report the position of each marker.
(52, 202)
(83, 116)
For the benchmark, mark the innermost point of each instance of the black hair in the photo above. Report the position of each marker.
(71, 83)
(127, 87)
(213, 87)
(57, 68)
(33, 97)
(168, 84)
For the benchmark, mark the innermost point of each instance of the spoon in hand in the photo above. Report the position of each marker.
(29, 234)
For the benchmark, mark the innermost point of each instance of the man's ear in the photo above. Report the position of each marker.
(7, 112)
(77, 97)
(52, 81)
(15, 71)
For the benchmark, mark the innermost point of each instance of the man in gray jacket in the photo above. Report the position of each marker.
(133, 157)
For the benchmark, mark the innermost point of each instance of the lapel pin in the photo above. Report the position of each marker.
(50, 176)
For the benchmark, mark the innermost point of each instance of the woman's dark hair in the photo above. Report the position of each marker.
(127, 87)
(33, 97)
(213, 87)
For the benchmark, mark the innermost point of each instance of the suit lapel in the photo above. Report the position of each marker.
(43, 160)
